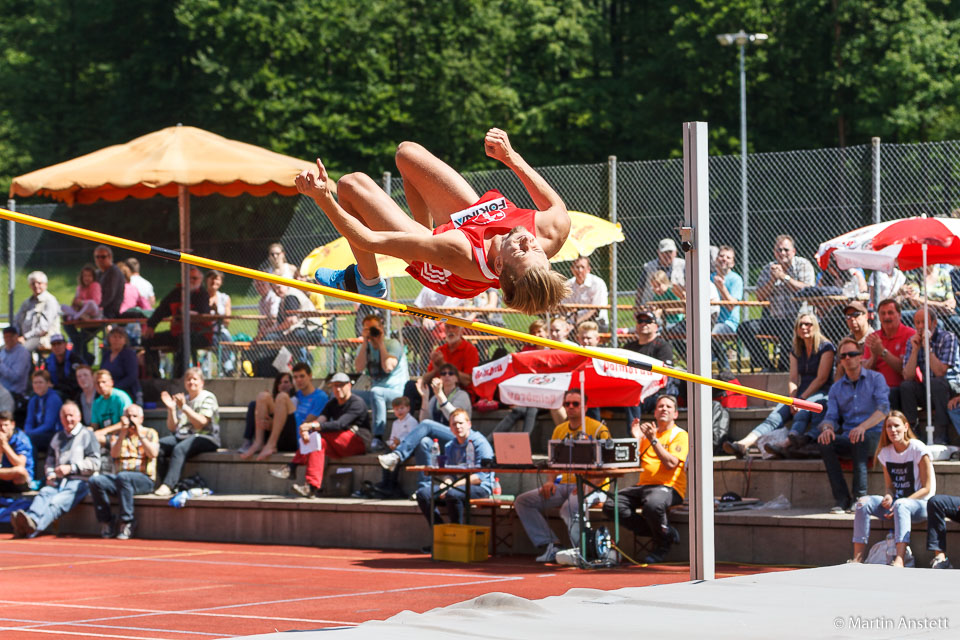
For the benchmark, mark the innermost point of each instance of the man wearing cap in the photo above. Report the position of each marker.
(944, 374)
(586, 288)
(649, 343)
(666, 261)
(778, 284)
(344, 426)
(14, 364)
(887, 346)
(39, 315)
(62, 365)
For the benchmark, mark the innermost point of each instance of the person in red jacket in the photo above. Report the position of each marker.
(479, 242)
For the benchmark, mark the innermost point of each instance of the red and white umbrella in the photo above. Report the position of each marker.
(895, 244)
(539, 379)
(908, 243)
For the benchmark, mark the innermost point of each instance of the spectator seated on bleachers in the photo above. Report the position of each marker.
(39, 315)
(16, 456)
(729, 286)
(663, 479)
(588, 335)
(201, 331)
(121, 361)
(939, 508)
(134, 304)
(194, 420)
(586, 288)
(811, 374)
(887, 346)
(910, 482)
(344, 427)
(649, 343)
(457, 452)
(531, 505)
(944, 374)
(62, 365)
(831, 283)
(939, 294)
(87, 298)
(108, 408)
(73, 457)
(86, 305)
(459, 353)
(87, 393)
(667, 262)
(222, 305)
(856, 406)
(282, 414)
(262, 413)
(43, 412)
(435, 416)
(144, 286)
(15, 365)
(403, 425)
(778, 283)
(385, 361)
(134, 450)
(421, 335)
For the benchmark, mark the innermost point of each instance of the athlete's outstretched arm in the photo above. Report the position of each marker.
(497, 145)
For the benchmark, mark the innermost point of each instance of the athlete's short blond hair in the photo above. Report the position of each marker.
(537, 290)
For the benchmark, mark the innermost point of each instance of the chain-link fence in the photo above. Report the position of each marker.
(812, 195)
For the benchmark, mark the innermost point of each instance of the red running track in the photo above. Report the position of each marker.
(90, 588)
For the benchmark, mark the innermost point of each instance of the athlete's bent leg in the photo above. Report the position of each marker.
(433, 188)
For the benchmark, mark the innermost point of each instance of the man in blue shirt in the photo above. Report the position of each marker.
(289, 413)
(944, 374)
(16, 456)
(43, 412)
(857, 405)
(457, 451)
(730, 287)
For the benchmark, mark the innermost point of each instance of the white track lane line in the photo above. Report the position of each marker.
(28, 625)
(246, 564)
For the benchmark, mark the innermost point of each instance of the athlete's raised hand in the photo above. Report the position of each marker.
(497, 145)
(313, 183)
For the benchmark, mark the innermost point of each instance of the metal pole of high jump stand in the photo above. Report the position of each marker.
(12, 258)
(695, 241)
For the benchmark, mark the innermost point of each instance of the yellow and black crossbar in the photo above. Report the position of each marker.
(206, 263)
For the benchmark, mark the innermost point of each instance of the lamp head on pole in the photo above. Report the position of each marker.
(740, 38)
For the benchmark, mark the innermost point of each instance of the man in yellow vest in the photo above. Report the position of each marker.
(663, 479)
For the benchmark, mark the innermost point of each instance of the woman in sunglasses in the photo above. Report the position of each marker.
(811, 374)
(447, 396)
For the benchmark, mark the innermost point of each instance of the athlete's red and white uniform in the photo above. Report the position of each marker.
(491, 215)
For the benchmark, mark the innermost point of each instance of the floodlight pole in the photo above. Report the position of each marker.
(695, 243)
(742, 39)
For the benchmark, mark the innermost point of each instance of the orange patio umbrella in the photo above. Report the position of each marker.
(176, 161)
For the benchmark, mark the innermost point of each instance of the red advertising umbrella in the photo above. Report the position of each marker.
(908, 243)
(539, 378)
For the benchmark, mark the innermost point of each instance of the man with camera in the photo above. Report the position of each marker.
(385, 361)
(134, 451)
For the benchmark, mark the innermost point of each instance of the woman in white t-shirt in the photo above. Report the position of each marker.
(908, 476)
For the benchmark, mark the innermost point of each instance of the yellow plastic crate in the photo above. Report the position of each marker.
(460, 542)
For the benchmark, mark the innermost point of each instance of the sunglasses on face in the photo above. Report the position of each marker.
(849, 354)
(645, 319)
(805, 324)
(854, 314)
(571, 404)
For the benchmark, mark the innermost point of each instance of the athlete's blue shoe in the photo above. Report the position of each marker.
(349, 280)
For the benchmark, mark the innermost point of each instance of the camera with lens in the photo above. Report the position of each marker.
(374, 332)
